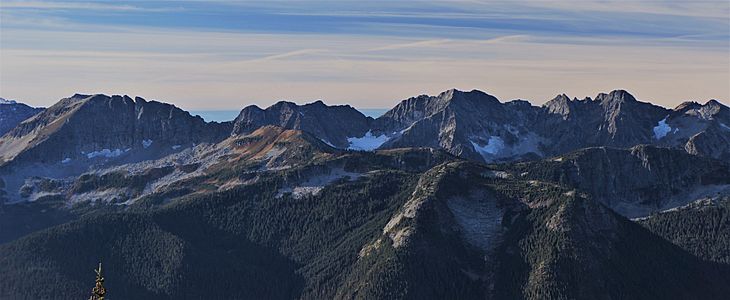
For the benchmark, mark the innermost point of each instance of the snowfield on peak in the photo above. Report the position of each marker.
(662, 129)
(106, 153)
(493, 146)
(369, 142)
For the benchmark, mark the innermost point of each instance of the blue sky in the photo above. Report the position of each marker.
(228, 54)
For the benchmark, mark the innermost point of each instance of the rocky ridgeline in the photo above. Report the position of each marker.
(88, 127)
(472, 125)
(12, 113)
(478, 126)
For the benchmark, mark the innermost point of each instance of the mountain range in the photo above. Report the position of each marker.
(457, 195)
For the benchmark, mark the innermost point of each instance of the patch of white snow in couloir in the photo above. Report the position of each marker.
(369, 142)
(662, 129)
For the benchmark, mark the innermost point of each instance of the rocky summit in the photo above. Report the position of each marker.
(332, 124)
(12, 113)
(452, 196)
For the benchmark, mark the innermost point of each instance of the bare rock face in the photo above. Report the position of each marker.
(92, 127)
(12, 113)
(615, 119)
(713, 142)
(469, 124)
(699, 129)
(331, 124)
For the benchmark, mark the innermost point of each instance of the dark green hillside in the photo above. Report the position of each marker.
(242, 243)
(397, 224)
(433, 261)
(578, 249)
(142, 260)
(702, 228)
(17, 220)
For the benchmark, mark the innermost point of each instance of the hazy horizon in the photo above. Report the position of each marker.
(218, 113)
(219, 55)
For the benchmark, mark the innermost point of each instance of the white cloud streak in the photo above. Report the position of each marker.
(207, 70)
(60, 5)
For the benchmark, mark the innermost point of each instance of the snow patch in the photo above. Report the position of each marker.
(662, 129)
(724, 126)
(66, 160)
(315, 184)
(175, 147)
(493, 146)
(328, 143)
(146, 143)
(101, 196)
(106, 153)
(369, 142)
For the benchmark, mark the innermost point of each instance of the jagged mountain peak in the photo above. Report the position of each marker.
(6, 101)
(13, 113)
(561, 101)
(88, 127)
(285, 104)
(562, 97)
(687, 105)
(80, 96)
(561, 105)
(471, 96)
(333, 124)
(416, 108)
(712, 109)
(615, 96)
(714, 102)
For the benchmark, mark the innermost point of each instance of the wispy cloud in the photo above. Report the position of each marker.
(701, 8)
(419, 44)
(60, 5)
(222, 54)
(292, 54)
